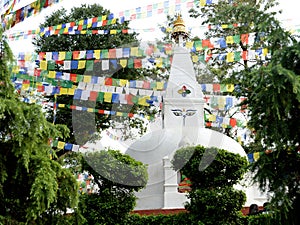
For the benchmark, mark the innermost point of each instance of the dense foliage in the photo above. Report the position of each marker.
(271, 86)
(117, 176)
(32, 185)
(212, 185)
(274, 102)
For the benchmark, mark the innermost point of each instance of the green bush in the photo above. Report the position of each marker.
(175, 219)
(213, 200)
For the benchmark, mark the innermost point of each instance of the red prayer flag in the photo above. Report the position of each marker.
(101, 111)
(76, 54)
(232, 122)
(73, 77)
(129, 99)
(245, 38)
(112, 53)
(95, 20)
(130, 115)
(216, 87)
(108, 81)
(245, 55)
(137, 63)
(40, 88)
(93, 96)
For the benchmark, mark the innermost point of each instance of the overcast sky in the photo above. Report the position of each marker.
(290, 17)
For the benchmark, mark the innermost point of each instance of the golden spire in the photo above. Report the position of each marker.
(179, 29)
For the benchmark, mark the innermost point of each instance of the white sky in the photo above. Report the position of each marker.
(289, 18)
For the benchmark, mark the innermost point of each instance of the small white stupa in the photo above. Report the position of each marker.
(183, 125)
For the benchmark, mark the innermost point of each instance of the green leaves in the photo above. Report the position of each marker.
(213, 200)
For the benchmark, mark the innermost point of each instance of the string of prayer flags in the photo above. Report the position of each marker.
(101, 111)
(254, 156)
(11, 18)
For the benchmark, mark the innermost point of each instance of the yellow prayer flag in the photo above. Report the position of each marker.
(59, 26)
(212, 117)
(113, 32)
(202, 2)
(189, 44)
(224, 125)
(97, 54)
(80, 22)
(63, 91)
(134, 51)
(71, 91)
(224, 26)
(265, 51)
(230, 87)
(83, 32)
(90, 109)
(239, 139)
(256, 156)
(113, 21)
(87, 79)
(107, 97)
(230, 57)
(81, 64)
(221, 102)
(123, 62)
(123, 82)
(229, 40)
(89, 25)
(37, 30)
(61, 55)
(104, 17)
(169, 29)
(119, 114)
(61, 105)
(25, 86)
(16, 69)
(159, 62)
(60, 145)
(142, 100)
(195, 58)
(66, 30)
(51, 74)
(43, 65)
(159, 85)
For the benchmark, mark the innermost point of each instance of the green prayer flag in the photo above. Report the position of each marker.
(51, 65)
(237, 56)
(237, 38)
(89, 66)
(68, 55)
(79, 78)
(100, 97)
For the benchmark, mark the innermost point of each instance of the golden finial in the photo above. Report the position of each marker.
(179, 29)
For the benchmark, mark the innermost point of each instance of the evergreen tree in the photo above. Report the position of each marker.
(213, 199)
(33, 187)
(271, 86)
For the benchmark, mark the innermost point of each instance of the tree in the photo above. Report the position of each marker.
(85, 126)
(274, 102)
(271, 86)
(238, 27)
(213, 199)
(117, 176)
(32, 185)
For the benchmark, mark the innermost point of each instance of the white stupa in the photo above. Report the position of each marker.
(183, 124)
